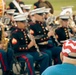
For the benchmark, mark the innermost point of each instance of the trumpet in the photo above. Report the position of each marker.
(33, 39)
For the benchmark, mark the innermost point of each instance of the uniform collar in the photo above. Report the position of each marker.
(64, 27)
(21, 29)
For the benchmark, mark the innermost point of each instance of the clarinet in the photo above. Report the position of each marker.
(50, 21)
(33, 39)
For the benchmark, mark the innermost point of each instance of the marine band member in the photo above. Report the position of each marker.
(63, 32)
(38, 26)
(25, 47)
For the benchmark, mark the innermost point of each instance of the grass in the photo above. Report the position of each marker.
(57, 4)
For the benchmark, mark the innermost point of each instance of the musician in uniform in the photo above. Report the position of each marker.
(63, 32)
(68, 11)
(13, 6)
(6, 54)
(24, 46)
(38, 28)
(10, 13)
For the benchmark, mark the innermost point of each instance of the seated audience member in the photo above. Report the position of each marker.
(68, 57)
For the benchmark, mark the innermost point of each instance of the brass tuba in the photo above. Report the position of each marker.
(4, 41)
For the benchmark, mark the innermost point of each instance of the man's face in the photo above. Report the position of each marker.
(32, 18)
(21, 24)
(39, 17)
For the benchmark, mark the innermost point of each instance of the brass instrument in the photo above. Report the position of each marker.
(33, 39)
(53, 28)
(50, 22)
(5, 20)
(4, 41)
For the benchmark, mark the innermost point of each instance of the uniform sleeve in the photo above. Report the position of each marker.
(42, 36)
(16, 45)
(57, 32)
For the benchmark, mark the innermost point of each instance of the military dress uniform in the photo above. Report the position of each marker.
(19, 42)
(20, 48)
(6, 65)
(39, 28)
(3, 60)
(63, 33)
(6, 58)
(6, 62)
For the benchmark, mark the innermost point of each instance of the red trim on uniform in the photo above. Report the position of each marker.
(28, 63)
(2, 61)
